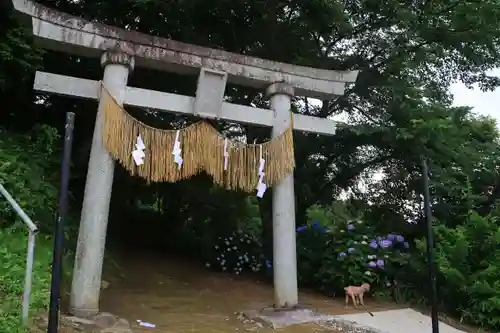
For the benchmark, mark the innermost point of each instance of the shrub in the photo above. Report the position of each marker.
(355, 254)
(236, 253)
(12, 273)
(336, 248)
(311, 246)
(27, 172)
(468, 262)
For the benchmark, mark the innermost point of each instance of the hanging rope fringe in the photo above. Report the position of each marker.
(202, 150)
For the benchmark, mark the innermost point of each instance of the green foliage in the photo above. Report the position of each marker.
(356, 254)
(236, 253)
(27, 172)
(12, 272)
(250, 221)
(348, 251)
(468, 260)
(17, 54)
(313, 237)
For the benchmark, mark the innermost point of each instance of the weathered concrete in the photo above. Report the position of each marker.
(86, 285)
(278, 319)
(63, 32)
(210, 92)
(393, 321)
(284, 243)
(100, 323)
(89, 89)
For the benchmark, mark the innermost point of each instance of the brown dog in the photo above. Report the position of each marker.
(356, 294)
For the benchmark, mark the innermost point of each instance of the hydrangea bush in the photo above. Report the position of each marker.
(311, 246)
(331, 253)
(236, 253)
(354, 254)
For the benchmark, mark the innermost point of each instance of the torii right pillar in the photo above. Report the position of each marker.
(286, 293)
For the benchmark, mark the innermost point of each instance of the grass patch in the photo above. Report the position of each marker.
(13, 249)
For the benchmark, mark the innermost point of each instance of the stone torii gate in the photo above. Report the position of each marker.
(120, 51)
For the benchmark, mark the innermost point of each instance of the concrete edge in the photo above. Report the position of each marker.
(348, 325)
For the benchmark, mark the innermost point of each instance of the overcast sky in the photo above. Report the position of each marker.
(487, 103)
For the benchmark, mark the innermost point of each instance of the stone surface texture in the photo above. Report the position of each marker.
(100, 323)
(63, 32)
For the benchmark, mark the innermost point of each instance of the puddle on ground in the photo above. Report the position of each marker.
(178, 296)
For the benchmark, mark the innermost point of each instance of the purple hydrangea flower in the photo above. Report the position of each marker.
(385, 243)
(391, 237)
(373, 244)
(350, 227)
(299, 229)
(400, 239)
(372, 264)
(380, 263)
(350, 250)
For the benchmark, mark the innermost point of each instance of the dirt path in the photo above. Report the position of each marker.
(180, 297)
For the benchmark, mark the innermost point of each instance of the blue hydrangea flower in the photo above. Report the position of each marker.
(400, 239)
(385, 243)
(373, 244)
(380, 263)
(318, 226)
(350, 227)
(391, 237)
(342, 254)
(350, 250)
(299, 229)
(372, 264)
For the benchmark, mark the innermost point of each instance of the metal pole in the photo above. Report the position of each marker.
(431, 252)
(26, 219)
(28, 275)
(55, 287)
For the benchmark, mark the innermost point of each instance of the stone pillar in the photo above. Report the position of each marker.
(284, 244)
(86, 285)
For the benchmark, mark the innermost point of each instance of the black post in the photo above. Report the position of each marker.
(55, 286)
(431, 252)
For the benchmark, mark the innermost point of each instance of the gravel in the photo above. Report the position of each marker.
(341, 325)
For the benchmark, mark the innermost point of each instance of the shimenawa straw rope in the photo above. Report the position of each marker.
(202, 150)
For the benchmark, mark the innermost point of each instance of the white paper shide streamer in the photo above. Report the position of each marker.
(177, 151)
(138, 153)
(226, 154)
(261, 186)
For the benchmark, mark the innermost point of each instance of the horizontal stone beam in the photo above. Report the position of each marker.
(161, 101)
(62, 32)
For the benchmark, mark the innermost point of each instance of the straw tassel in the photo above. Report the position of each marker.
(202, 151)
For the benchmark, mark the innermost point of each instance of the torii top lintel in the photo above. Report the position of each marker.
(63, 32)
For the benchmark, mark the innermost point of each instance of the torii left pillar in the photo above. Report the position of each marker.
(86, 285)
(286, 295)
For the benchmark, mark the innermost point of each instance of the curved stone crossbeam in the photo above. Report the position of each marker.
(59, 31)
